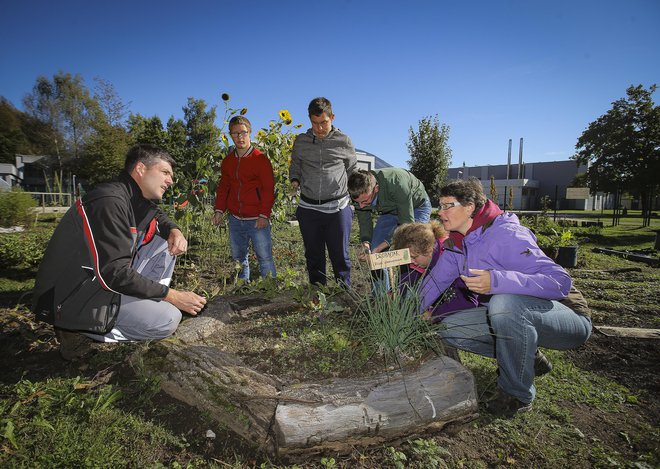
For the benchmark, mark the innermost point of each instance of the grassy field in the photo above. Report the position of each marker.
(597, 408)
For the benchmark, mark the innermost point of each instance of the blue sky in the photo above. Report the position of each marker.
(491, 70)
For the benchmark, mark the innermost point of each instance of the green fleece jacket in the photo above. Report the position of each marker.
(399, 193)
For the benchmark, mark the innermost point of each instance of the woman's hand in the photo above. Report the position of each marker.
(479, 282)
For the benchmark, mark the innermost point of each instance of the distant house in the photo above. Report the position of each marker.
(529, 183)
(26, 173)
(369, 161)
(8, 176)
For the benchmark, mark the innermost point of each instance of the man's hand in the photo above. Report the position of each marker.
(363, 251)
(261, 223)
(294, 188)
(187, 301)
(479, 282)
(217, 218)
(176, 242)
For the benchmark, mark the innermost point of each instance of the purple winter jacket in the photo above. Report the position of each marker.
(509, 251)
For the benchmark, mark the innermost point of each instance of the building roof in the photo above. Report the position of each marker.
(379, 163)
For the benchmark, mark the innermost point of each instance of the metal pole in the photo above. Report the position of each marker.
(520, 163)
(508, 163)
(556, 194)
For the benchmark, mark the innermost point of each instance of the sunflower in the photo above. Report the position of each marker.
(225, 96)
(285, 115)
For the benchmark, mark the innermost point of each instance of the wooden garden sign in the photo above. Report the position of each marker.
(383, 260)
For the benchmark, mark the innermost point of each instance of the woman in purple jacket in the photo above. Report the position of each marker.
(521, 293)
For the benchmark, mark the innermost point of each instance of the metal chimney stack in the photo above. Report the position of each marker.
(520, 162)
(508, 163)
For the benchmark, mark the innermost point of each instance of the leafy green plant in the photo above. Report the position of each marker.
(427, 453)
(398, 459)
(276, 142)
(16, 207)
(24, 249)
(540, 224)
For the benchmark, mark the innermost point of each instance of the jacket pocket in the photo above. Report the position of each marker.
(88, 307)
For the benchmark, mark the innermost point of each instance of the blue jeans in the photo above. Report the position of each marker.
(510, 328)
(240, 234)
(385, 226)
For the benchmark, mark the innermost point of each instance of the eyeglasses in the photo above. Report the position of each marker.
(448, 205)
(239, 134)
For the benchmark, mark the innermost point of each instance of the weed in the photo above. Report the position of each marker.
(427, 453)
(398, 459)
(328, 463)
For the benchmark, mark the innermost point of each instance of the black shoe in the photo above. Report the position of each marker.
(542, 365)
(506, 405)
(72, 344)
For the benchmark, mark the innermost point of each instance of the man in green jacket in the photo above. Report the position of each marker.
(396, 195)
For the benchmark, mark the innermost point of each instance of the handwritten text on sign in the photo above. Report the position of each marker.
(381, 260)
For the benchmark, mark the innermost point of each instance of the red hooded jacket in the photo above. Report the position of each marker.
(247, 185)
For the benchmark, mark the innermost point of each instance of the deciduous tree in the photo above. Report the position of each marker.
(623, 146)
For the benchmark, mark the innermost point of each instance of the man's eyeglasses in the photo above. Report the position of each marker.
(239, 134)
(448, 205)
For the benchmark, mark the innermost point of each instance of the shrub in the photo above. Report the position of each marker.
(15, 207)
(540, 224)
(23, 250)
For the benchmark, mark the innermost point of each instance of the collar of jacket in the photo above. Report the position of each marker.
(141, 206)
(482, 219)
(314, 137)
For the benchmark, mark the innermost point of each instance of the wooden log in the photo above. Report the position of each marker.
(637, 332)
(219, 384)
(343, 413)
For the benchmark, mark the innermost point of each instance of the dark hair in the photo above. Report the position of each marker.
(418, 237)
(360, 182)
(318, 106)
(466, 191)
(240, 120)
(146, 154)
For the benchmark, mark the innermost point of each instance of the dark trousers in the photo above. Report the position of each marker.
(332, 230)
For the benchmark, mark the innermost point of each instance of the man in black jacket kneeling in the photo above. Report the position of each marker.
(106, 272)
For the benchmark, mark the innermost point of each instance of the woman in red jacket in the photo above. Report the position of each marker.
(247, 191)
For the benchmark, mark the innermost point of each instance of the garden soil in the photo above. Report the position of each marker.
(29, 351)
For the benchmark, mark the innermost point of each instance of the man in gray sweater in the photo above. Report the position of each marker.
(321, 161)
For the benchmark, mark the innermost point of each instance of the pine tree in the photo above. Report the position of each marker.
(430, 154)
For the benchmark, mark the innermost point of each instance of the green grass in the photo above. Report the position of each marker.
(76, 421)
(71, 423)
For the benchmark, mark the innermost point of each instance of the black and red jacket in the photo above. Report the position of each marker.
(87, 264)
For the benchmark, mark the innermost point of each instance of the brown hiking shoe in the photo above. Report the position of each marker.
(505, 405)
(72, 344)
